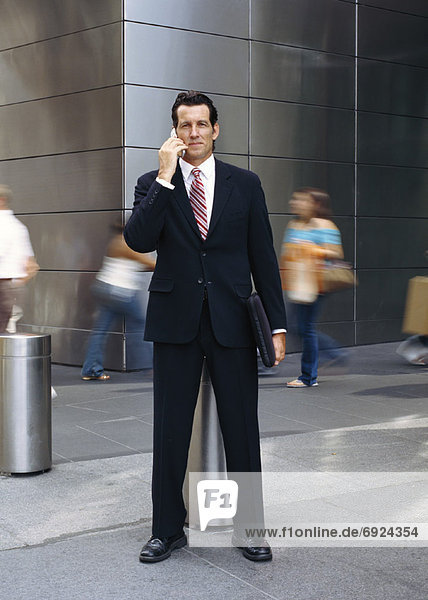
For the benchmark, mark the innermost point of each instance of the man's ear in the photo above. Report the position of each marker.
(216, 131)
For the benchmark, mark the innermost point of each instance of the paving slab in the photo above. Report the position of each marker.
(104, 565)
(77, 497)
(75, 531)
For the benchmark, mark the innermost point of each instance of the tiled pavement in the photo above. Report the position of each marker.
(75, 531)
(114, 418)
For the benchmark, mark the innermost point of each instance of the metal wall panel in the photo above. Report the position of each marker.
(392, 88)
(60, 299)
(140, 160)
(73, 241)
(222, 16)
(343, 332)
(24, 21)
(305, 23)
(69, 345)
(296, 131)
(72, 63)
(376, 332)
(233, 159)
(83, 121)
(391, 243)
(392, 140)
(65, 182)
(346, 227)
(294, 343)
(69, 342)
(391, 36)
(218, 64)
(381, 294)
(137, 162)
(138, 353)
(148, 119)
(392, 192)
(294, 58)
(335, 308)
(281, 177)
(338, 307)
(415, 7)
(296, 75)
(279, 224)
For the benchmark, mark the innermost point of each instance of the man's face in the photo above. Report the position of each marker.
(195, 129)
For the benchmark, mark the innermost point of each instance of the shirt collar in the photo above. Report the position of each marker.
(207, 168)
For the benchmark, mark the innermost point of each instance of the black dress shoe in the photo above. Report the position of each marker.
(259, 552)
(158, 549)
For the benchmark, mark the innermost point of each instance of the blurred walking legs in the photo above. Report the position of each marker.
(319, 351)
(306, 319)
(6, 303)
(114, 302)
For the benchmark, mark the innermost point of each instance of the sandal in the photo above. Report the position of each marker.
(102, 377)
(298, 383)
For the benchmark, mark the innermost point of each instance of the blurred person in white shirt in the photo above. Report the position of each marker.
(17, 261)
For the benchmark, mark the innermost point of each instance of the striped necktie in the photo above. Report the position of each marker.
(198, 203)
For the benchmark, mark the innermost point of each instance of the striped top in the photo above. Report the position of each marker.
(319, 236)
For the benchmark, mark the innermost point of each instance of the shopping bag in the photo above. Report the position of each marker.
(299, 273)
(416, 310)
(337, 275)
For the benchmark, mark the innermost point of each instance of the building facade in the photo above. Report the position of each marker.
(326, 93)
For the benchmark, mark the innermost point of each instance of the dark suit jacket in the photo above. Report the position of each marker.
(238, 246)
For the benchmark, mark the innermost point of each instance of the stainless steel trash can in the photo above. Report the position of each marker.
(206, 453)
(25, 403)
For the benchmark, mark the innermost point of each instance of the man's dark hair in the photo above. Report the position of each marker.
(192, 98)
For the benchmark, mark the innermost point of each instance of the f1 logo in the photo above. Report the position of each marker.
(217, 499)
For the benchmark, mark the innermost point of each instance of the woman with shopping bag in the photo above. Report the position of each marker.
(310, 240)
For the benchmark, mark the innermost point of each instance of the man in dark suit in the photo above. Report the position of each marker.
(209, 224)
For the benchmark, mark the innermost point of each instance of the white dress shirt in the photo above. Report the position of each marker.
(207, 169)
(15, 246)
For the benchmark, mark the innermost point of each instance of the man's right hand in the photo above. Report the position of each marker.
(168, 155)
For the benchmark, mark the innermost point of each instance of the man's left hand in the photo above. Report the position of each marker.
(279, 345)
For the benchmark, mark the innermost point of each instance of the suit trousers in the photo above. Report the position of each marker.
(177, 373)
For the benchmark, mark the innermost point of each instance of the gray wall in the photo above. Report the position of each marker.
(61, 148)
(310, 92)
(391, 208)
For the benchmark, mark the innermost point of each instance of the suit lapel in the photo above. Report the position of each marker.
(222, 190)
(183, 201)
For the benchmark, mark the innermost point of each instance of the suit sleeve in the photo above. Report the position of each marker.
(263, 261)
(145, 225)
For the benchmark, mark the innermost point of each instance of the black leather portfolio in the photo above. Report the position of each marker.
(261, 329)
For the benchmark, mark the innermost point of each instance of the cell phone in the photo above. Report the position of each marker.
(173, 134)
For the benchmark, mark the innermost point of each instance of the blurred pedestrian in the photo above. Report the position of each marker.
(117, 290)
(17, 261)
(310, 239)
(415, 348)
